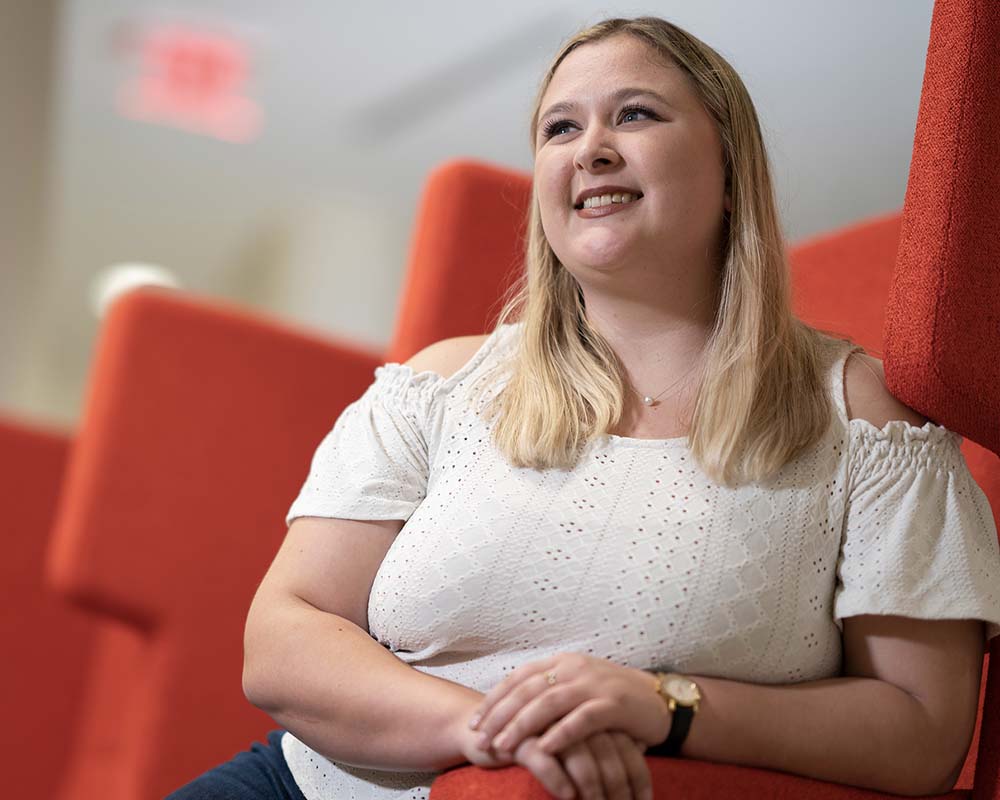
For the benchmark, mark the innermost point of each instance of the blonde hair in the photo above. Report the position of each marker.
(762, 398)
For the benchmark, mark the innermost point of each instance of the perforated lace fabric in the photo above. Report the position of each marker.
(635, 555)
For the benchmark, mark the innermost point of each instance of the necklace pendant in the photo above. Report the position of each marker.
(647, 400)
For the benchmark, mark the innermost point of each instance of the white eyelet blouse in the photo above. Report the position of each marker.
(635, 555)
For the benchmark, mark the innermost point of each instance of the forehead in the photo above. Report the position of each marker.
(594, 70)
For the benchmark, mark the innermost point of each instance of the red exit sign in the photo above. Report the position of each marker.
(192, 79)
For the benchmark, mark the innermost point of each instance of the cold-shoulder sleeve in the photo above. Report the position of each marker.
(919, 538)
(373, 464)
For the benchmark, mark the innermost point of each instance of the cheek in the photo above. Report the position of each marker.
(704, 162)
(551, 227)
(552, 191)
(689, 177)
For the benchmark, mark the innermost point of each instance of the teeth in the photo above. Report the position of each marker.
(608, 199)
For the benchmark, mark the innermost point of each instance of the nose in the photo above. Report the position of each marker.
(596, 150)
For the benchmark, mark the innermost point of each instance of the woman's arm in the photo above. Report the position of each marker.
(903, 715)
(900, 721)
(311, 664)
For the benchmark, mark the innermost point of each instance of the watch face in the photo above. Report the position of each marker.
(685, 691)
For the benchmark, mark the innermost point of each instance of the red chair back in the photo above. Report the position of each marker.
(942, 325)
(46, 641)
(467, 249)
(198, 430)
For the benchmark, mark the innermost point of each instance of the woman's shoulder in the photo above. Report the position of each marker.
(868, 397)
(447, 356)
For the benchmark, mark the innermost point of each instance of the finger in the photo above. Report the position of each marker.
(529, 711)
(547, 769)
(498, 692)
(507, 707)
(609, 762)
(581, 765)
(593, 716)
(635, 765)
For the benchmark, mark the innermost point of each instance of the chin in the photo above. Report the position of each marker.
(588, 268)
(601, 251)
(602, 259)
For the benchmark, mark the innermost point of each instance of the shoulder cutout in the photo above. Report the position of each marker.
(447, 356)
(868, 397)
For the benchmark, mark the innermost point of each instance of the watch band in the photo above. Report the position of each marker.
(681, 716)
(679, 728)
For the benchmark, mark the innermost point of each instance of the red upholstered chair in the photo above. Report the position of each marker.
(942, 327)
(197, 431)
(472, 219)
(46, 641)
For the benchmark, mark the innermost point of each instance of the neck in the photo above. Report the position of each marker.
(661, 348)
(655, 344)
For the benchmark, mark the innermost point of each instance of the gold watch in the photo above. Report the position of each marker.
(681, 694)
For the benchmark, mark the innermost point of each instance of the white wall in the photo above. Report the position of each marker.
(27, 50)
(312, 221)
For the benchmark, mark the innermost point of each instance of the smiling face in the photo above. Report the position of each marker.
(614, 115)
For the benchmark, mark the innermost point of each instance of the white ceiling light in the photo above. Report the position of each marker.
(114, 281)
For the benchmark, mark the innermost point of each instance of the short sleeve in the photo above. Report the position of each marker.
(919, 538)
(373, 464)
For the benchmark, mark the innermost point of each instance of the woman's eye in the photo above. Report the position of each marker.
(558, 127)
(630, 111)
(555, 128)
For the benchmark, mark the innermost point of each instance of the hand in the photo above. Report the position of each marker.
(548, 769)
(589, 695)
(466, 739)
(608, 766)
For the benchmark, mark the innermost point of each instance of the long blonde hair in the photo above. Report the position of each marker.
(762, 397)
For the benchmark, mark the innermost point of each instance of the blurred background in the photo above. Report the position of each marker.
(272, 154)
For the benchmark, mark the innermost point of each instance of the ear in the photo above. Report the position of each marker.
(728, 203)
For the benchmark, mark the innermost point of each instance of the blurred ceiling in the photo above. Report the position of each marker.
(308, 217)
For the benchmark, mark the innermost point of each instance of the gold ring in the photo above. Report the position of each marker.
(550, 677)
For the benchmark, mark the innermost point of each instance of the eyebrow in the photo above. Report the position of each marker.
(620, 94)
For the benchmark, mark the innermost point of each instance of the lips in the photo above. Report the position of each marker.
(604, 211)
(597, 191)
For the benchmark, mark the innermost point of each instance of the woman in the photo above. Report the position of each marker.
(655, 485)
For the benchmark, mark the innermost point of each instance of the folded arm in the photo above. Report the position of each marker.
(900, 720)
(309, 660)
(311, 664)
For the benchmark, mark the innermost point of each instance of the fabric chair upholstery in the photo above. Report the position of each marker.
(942, 317)
(198, 430)
(46, 641)
(471, 219)
(942, 325)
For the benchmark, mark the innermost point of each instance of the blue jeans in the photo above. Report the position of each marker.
(258, 774)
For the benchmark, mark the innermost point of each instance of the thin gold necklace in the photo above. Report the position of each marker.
(652, 401)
